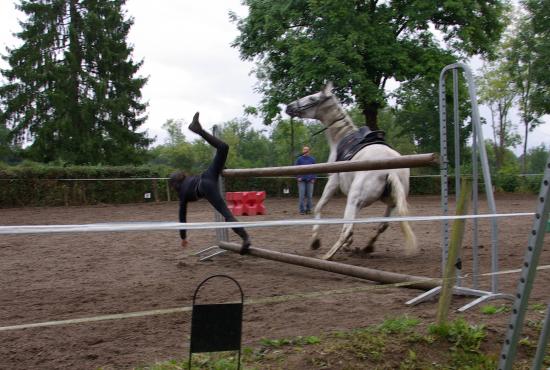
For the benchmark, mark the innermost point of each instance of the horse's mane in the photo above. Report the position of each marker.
(342, 121)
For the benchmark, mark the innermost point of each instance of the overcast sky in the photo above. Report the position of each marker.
(185, 46)
(191, 66)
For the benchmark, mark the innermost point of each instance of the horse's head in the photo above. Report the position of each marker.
(308, 106)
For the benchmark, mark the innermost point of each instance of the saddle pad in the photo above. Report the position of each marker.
(350, 145)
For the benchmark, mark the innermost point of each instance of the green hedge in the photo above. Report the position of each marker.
(40, 185)
(76, 185)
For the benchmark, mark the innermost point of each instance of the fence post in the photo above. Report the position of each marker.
(155, 191)
(454, 251)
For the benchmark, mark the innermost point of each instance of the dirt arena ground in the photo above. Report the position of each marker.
(78, 275)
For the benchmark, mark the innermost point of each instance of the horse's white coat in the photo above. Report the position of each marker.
(362, 188)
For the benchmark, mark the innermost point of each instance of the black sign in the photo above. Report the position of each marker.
(216, 327)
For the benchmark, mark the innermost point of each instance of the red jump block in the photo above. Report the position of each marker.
(247, 203)
(235, 202)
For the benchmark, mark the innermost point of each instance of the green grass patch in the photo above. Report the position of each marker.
(213, 361)
(465, 342)
(539, 307)
(298, 341)
(464, 336)
(493, 310)
(402, 324)
(397, 343)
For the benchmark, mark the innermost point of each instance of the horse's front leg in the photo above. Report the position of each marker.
(328, 192)
(346, 236)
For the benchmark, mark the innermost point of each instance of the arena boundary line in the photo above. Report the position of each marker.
(253, 301)
(148, 226)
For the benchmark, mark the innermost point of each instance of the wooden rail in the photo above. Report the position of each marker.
(405, 161)
(384, 277)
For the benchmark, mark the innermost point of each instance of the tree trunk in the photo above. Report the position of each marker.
(371, 115)
(524, 159)
(499, 154)
(75, 63)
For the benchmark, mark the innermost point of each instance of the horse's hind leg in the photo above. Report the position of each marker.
(328, 192)
(369, 248)
(346, 236)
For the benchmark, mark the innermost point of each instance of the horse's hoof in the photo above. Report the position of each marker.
(315, 244)
(411, 253)
(369, 249)
(347, 244)
(326, 257)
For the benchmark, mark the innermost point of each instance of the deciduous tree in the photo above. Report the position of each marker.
(497, 91)
(359, 45)
(539, 21)
(519, 63)
(417, 115)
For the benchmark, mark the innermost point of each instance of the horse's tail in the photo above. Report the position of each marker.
(399, 195)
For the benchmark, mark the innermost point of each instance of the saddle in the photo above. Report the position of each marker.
(357, 140)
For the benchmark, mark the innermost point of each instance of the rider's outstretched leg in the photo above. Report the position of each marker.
(196, 127)
(222, 148)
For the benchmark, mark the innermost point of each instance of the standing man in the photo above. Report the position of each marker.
(305, 182)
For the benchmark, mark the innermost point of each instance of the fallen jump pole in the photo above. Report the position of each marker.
(405, 161)
(366, 273)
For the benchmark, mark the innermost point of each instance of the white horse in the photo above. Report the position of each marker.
(363, 187)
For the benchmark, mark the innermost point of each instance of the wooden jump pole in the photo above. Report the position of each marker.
(405, 161)
(366, 273)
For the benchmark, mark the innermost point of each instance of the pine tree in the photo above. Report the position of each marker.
(72, 88)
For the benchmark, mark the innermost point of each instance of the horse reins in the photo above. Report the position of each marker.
(307, 106)
(328, 126)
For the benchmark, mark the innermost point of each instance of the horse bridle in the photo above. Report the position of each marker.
(330, 124)
(319, 102)
(312, 104)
